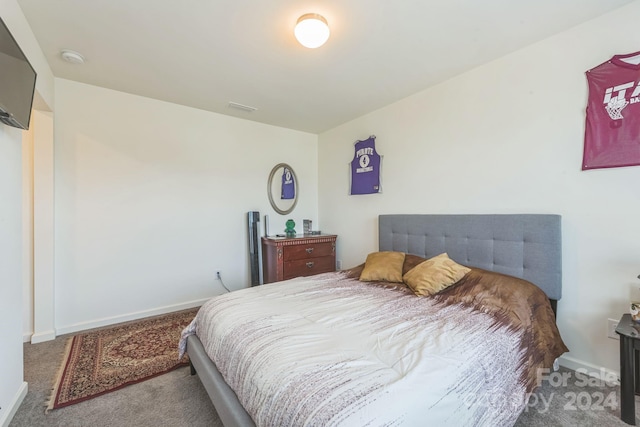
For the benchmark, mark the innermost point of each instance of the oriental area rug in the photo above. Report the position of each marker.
(108, 359)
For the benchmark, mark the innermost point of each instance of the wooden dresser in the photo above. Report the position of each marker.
(285, 258)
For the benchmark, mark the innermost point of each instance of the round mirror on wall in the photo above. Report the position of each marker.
(282, 188)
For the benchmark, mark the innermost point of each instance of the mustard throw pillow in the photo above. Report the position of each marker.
(383, 267)
(434, 275)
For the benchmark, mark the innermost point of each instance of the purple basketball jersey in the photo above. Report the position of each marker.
(288, 185)
(365, 168)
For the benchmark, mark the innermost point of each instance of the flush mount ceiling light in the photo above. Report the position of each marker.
(312, 30)
(72, 56)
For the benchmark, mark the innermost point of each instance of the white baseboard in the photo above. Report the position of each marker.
(12, 407)
(43, 336)
(589, 368)
(106, 321)
(26, 336)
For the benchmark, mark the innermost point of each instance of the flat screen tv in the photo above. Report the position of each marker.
(17, 82)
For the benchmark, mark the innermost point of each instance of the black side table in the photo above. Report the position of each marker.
(629, 367)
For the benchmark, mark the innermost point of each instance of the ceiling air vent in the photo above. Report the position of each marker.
(242, 107)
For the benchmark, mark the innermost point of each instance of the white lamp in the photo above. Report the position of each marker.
(312, 30)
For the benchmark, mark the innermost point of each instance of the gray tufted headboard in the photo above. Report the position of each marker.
(527, 246)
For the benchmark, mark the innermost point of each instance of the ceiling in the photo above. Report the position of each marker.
(207, 53)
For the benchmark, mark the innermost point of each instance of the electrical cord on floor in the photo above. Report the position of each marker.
(221, 282)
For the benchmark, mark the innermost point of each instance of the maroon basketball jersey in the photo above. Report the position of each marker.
(612, 130)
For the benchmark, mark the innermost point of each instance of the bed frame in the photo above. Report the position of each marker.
(527, 246)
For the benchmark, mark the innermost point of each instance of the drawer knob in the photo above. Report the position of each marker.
(309, 250)
(310, 264)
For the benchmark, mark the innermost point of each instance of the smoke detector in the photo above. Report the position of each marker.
(72, 56)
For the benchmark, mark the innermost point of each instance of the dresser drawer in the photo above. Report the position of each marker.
(308, 267)
(310, 250)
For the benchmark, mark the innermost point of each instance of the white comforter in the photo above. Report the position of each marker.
(328, 351)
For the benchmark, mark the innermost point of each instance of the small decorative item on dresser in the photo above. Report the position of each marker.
(306, 226)
(290, 231)
(635, 311)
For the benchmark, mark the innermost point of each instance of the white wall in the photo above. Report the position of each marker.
(12, 387)
(42, 307)
(151, 198)
(27, 232)
(11, 383)
(507, 137)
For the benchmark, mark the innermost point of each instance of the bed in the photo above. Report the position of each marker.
(467, 376)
